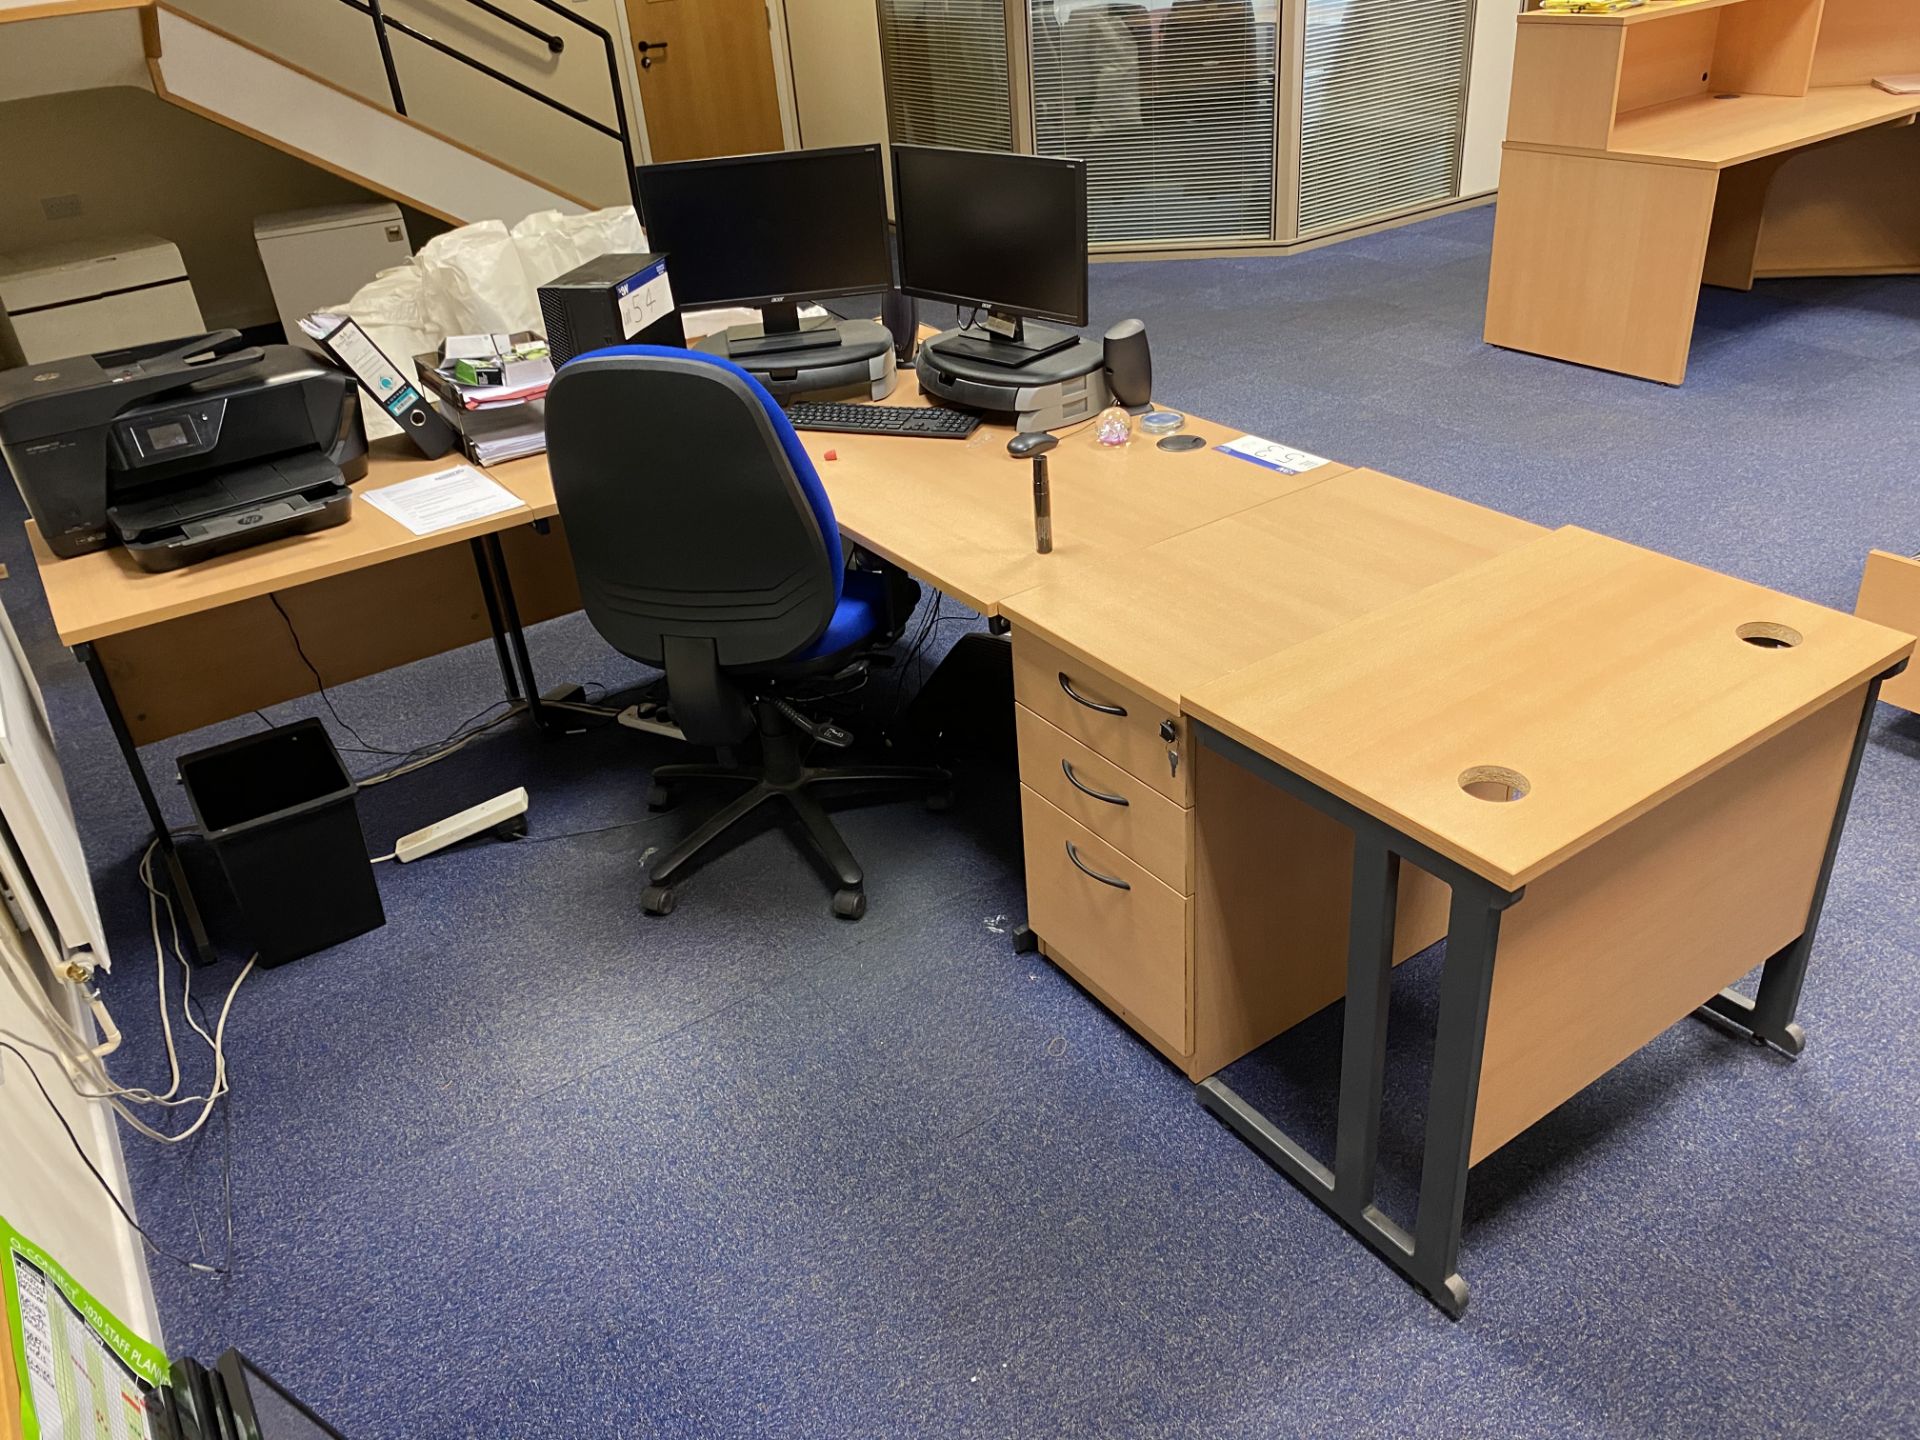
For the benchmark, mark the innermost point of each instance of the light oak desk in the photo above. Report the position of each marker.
(1890, 595)
(171, 652)
(1632, 801)
(1148, 879)
(174, 651)
(1340, 607)
(958, 514)
(1714, 141)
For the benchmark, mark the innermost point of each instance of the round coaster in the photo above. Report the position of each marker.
(1162, 422)
(1182, 442)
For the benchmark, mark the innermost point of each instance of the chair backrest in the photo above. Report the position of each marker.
(690, 507)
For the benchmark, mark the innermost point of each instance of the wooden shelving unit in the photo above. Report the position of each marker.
(1655, 149)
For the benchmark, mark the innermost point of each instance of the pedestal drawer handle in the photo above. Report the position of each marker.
(1079, 699)
(1066, 769)
(1085, 869)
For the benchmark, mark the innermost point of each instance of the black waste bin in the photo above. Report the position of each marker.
(278, 809)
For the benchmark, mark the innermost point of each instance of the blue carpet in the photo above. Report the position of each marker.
(525, 1163)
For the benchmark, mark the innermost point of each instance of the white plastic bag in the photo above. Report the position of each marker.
(475, 283)
(551, 244)
(480, 279)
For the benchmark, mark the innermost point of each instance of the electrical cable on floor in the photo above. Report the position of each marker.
(927, 625)
(427, 755)
(83, 1060)
(152, 1244)
(597, 830)
(120, 1097)
(410, 760)
(314, 670)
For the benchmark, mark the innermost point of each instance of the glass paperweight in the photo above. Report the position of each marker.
(1115, 426)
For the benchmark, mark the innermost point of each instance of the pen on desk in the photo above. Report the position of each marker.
(1042, 507)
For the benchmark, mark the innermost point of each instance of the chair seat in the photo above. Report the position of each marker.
(861, 613)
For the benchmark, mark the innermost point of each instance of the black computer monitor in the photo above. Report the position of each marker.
(1004, 232)
(771, 231)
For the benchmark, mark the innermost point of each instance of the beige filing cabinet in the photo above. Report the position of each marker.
(1137, 857)
(317, 258)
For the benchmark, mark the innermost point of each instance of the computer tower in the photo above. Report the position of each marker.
(612, 300)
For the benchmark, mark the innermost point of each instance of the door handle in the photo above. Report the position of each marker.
(1075, 696)
(1086, 869)
(645, 47)
(1066, 768)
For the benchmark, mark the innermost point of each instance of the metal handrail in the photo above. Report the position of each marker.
(619, 130)
(553, 42)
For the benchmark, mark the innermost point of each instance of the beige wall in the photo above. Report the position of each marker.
(838, 93)
(45, 1191)
(1496, 26)
(139, 164)
(337, 43)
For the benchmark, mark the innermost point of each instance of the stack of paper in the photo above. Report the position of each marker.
(494, 435)
(514, 367)
(502, 427)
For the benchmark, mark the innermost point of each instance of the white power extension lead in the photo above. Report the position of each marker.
(634, 720)
(501, 811)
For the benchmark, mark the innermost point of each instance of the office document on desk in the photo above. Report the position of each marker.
(458, 495)
(1272, 456)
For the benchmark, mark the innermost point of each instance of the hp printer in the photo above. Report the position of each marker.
(182, 450)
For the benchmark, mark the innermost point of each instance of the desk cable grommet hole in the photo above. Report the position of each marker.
(1767, 635)
(1497, 783)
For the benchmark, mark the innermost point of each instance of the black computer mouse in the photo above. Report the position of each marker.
(1031, 442)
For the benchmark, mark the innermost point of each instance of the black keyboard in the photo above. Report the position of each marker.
(929, 422)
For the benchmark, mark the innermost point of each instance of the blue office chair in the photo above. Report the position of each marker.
(705, 544)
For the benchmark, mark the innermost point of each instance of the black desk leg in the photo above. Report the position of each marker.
(1459, 1040)
(129, 752)
(1363, 1042)
(1768, 1018)
(508, 676)
(509, 638)
(1429, 1255)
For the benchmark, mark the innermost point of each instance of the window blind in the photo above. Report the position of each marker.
(1383, 102)
(1172, 105)
(945, 63)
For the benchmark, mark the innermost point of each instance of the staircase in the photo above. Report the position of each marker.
(53, 45)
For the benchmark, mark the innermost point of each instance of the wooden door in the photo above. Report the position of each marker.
(706, 77)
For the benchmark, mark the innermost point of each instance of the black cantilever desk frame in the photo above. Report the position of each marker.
(1429, 1255)
(516, 675)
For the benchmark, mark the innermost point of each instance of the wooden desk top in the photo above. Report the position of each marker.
(1715, 134)
(105, 593)
(1608, 676)
(959, 513)
(1178, 614)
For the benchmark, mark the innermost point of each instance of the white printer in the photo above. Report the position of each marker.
(86, 296)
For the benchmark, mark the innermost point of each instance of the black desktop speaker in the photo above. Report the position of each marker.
(1129, 366)
(901, 317)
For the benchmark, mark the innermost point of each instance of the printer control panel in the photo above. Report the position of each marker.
(155, 436)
